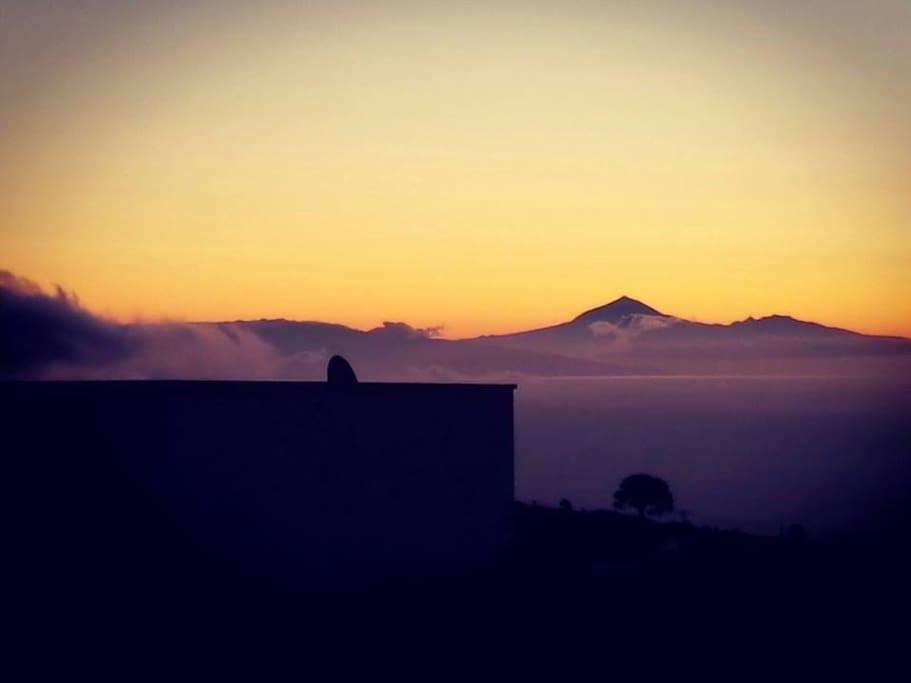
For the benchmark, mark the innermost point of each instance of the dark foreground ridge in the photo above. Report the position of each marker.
(366, 515)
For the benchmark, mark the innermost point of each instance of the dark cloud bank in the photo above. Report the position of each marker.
(51, 336)
(40, 330)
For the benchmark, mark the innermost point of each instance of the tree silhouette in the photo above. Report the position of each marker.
(644, 493)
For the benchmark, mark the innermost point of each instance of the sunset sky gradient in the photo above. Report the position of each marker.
(488, 166)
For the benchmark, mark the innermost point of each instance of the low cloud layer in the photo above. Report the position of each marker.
(188, 351)
(39, 330)
(630, 327)
(405, 332)
(50, 336)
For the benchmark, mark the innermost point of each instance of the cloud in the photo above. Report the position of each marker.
(629, 327)
(405, 332)
(603, 328)
(647, 323)
(38, 330)
(195, 351)
(632, 325)
(50, 336)
(309, 365)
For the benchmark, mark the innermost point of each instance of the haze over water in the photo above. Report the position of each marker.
(739, 452)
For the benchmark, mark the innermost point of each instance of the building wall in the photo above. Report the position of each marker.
(302, 476)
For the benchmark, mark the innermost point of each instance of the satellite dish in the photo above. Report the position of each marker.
(340, 373)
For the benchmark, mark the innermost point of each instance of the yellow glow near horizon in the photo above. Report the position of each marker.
(489, 170)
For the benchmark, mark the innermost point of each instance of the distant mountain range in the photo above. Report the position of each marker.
(50, 335)
(622, 337)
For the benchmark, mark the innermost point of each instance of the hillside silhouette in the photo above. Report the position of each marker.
(623, 337)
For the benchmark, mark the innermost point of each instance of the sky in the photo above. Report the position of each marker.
(486, 166)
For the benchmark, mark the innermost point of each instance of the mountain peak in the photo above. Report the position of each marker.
(617, 309)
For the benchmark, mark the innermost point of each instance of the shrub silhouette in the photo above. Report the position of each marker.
(644, 493)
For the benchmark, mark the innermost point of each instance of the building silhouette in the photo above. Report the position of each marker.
(299, 477)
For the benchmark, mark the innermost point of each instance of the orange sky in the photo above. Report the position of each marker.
(487, 167)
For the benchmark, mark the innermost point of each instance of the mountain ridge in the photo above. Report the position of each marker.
(623, 337)
(617, 311)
